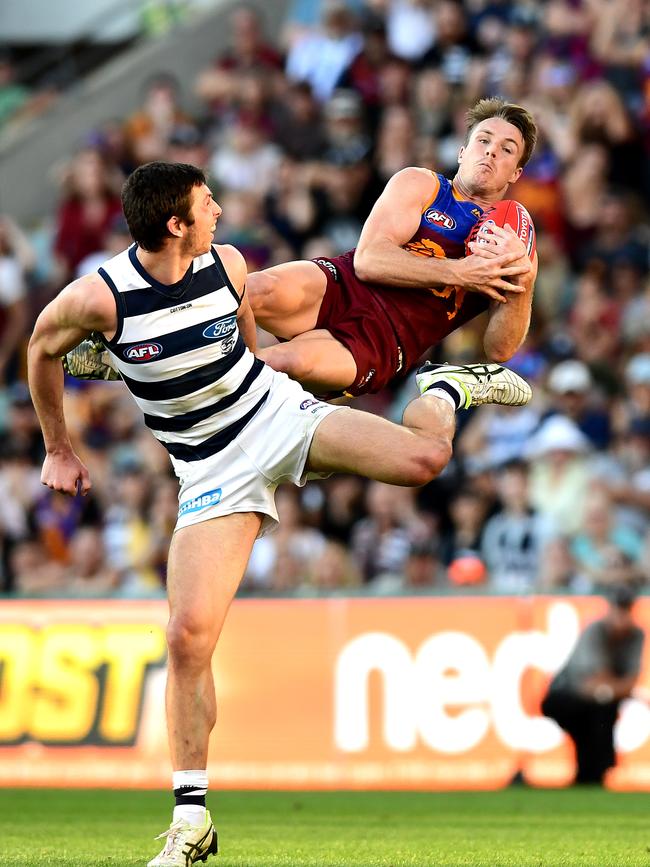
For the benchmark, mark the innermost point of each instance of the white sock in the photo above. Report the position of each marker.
(192, 813)
(444, 395)
(194, 783)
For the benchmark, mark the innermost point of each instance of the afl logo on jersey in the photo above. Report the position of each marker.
(142, 352)
(220, 329)
(438, 218)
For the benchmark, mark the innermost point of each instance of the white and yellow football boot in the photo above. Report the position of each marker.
(186, 844)
(477, 383)
(90, 360)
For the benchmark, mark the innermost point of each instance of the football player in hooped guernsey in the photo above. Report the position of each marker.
(173, 314)
(353, 323)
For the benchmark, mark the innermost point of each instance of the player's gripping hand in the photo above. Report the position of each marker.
(486, 273)
(63, 471)
(495, 240)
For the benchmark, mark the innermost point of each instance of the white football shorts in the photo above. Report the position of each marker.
(272, 448)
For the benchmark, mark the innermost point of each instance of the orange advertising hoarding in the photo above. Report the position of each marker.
(413, 693)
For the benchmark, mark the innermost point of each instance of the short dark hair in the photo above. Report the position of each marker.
(517, 115)
(153, 194)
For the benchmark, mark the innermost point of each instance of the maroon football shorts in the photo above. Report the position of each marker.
(351, 312)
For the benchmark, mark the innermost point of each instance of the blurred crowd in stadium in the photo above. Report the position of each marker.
(299, 138)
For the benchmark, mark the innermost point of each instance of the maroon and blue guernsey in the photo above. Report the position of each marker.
(388, 328)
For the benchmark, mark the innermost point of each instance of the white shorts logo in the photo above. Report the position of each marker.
(210, 498)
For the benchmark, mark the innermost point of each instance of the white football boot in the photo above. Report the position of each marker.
(186, 844)
(479, 383)
(90, 360)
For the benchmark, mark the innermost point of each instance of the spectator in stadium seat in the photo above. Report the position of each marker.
(595, 320)
(298, 123)
(281, 561)
(88, 573)
(247, 52)
(118, 238)
(322, 55)
(246, 160)
(573, 395)
(624, 475)
(559, 473)
(186, 144)
(34, 572)
(585, 696)
(635, 402)
(468, 509)
(491, 439)
(381, 543)
(89, 205)
(606, 552)
(410, 28)
(515, 537)
(332, 570)
(148, 129)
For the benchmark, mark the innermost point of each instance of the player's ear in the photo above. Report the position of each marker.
(461, 152)
(174, 227)
(515, 175)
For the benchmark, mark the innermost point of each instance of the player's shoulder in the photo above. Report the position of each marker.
(416, 182)
(234, 263)
(88, 299)
(89, 286)
(416, 175)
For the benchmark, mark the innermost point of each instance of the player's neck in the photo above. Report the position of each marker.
(485, 200)
(167, 266)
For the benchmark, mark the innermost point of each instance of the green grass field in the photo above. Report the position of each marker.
(519, 827)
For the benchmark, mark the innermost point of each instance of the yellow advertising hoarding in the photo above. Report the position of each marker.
(413, 693)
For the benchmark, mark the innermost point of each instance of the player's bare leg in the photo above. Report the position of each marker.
(206, 564)
(316, 359)
(286, 298)
(412, 453)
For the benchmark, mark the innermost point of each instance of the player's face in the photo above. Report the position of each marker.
(489, 161)
(205, 212)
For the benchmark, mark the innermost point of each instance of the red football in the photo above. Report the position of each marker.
(511, 213)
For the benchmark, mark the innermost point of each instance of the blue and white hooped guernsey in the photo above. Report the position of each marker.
(181, 355)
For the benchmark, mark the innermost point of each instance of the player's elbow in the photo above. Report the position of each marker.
(500, 348)
(363, 264)
(499, 354)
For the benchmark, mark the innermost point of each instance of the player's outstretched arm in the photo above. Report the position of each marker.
(394, 219)
(84, 306)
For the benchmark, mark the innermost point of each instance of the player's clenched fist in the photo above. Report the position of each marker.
(64, 472)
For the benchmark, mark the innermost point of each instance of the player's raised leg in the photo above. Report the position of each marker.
(286, 298)
(416, 451)
(412, 453)
(319, 361)
(206, 564)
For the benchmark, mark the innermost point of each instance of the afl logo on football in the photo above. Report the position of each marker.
(222, 328)
(433, 215)
(143, 352)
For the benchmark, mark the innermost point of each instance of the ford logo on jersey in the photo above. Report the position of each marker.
(438, 218)
(142, 352)
(210, 498)
(221, 328)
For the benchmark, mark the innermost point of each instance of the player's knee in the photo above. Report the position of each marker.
(190, 640)
(429, 461)
(287, 359)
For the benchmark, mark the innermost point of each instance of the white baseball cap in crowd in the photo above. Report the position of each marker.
(568, 376)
